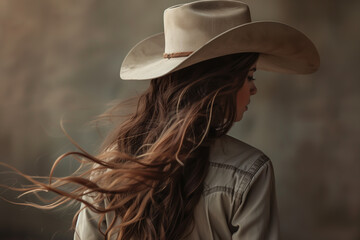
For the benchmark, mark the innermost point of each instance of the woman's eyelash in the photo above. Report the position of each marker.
(250, 78)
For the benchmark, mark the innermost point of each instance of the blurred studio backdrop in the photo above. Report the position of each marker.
(61, 59)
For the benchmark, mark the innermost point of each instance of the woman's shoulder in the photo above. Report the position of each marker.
(233, 164)
(238, 186)
(233, 152)
(239, 199)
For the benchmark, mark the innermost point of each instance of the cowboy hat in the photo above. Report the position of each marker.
(202, 30)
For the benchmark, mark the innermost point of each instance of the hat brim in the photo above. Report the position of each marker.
(282, 49)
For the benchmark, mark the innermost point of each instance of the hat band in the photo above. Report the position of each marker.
(177, 54)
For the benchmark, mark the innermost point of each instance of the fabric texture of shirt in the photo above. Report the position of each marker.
(238, 202)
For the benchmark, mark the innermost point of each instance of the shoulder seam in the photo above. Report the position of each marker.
(254, 167)
(227, 166)
(248, 175)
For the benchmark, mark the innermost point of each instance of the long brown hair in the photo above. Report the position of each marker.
(152, 166)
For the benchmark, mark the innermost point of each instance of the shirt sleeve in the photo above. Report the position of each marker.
(256, 217)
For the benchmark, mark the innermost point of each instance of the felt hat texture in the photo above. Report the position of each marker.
(202, 30)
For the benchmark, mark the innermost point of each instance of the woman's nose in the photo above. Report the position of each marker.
(253, 89)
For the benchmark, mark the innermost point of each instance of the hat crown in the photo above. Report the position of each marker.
(189, 26)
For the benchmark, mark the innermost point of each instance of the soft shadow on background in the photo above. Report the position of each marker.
(61, 59)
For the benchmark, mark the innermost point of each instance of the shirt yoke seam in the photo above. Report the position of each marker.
(248, 175)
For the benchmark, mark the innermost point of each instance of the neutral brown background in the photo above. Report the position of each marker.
(60, 59)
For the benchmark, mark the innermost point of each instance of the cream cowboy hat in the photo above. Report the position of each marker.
(202, 30)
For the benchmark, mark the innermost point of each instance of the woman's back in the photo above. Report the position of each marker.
(238, 200)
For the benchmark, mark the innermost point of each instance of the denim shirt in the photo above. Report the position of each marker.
(238, 202)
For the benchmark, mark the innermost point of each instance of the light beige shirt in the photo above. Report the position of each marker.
(238, 202)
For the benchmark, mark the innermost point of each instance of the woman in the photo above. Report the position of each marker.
(176, 173)
(169, 171)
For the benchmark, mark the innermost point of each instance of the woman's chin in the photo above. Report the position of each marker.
(239, 117)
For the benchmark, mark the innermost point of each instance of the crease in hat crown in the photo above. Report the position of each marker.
(187, 27)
